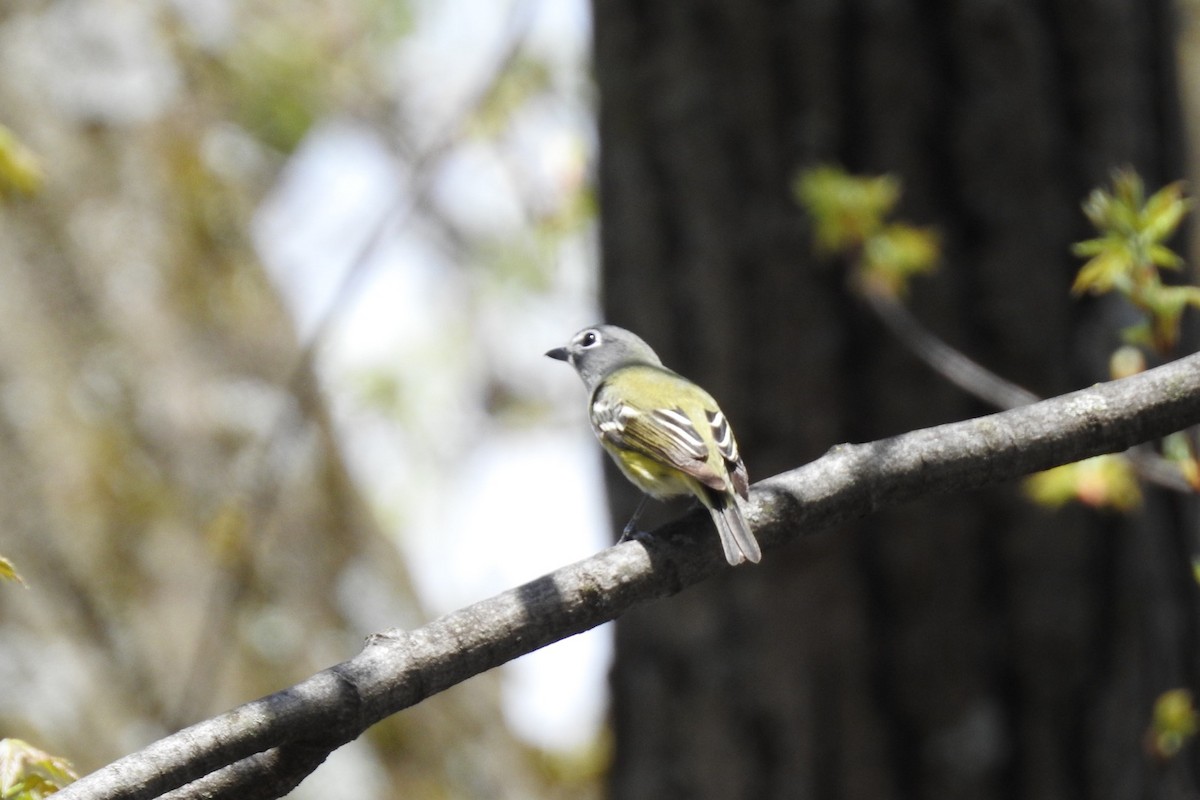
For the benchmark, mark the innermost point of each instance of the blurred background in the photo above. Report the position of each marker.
(276, 279)
(278, 296)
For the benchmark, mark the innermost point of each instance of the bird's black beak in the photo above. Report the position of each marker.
(559, 353)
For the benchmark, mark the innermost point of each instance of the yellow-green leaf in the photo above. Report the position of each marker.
(1180, 451)
(1163, 256)
(1125, 362)
(1097, 208)
(1139, 334)
(1164, 211)
(27, 773)
(8, 572)
(1173, 722)
(1177, 446)
(1165, 305)
(849, 219)
(1186, 295)
(1129, 192)
(896, 254)
(20, 169)
(1089, 247)
(1101, 274)
(1190, 469)
(846, 209)
(1101, 482)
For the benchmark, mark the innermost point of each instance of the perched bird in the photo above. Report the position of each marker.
(666, 434)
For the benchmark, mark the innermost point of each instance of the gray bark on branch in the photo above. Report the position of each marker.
(266, 747)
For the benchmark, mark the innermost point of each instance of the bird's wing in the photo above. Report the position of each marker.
(722, 434)
(667, 435)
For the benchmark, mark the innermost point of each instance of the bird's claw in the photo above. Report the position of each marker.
(631, 533)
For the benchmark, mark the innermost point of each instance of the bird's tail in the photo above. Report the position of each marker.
(737, 541)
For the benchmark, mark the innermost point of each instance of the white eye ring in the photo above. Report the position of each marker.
(589, 338)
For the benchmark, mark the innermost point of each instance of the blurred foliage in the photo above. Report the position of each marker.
(228, 533)
(1173, 723)
(1130, 252)
(524, 79)
(1127, 258)
(582, 769)
(27, 773)
(849, 215)
(21, 171)
(1180, 449)
(171, 475)
(1126, 361)
(279, 75)
(850, 220)
(8, 571)
(1107, 481)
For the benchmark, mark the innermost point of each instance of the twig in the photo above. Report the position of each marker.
(970, 376)
(983, 384)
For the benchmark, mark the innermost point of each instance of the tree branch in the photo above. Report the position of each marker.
(973, 378)
(265, 747)
(983, 384)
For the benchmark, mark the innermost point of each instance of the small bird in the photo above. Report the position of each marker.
(666, 434)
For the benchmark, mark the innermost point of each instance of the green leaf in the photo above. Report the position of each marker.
(27, 773)
(1174, 722)
(1190, 295)
(1096, 209)
(1177, 446)
(1129, 252)
(849, 216)
(1165, 305)
(1129, 192)
(1138, 334)
(1175, 298)
(8, 572)
(1164, 211)
(846, 209)
(1125, 362)
(20, 169)
(1101, 482)
(1089, 247)
(1163, 256)
(898, 253)
(1109, 269)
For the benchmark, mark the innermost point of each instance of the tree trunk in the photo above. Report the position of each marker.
(971, 647)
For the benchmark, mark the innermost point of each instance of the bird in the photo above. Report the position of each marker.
(666, 434)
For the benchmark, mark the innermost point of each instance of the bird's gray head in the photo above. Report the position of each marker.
(596, 351)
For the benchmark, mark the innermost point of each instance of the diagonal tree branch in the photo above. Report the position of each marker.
(265, 747)
(973, 378)
(983, 384)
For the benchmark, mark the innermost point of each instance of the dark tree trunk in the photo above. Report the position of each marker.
(970, 647)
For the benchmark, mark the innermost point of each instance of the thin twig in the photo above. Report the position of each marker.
(953, 365)
(985, 385)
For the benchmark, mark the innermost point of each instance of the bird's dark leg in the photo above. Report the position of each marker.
(631, 530)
